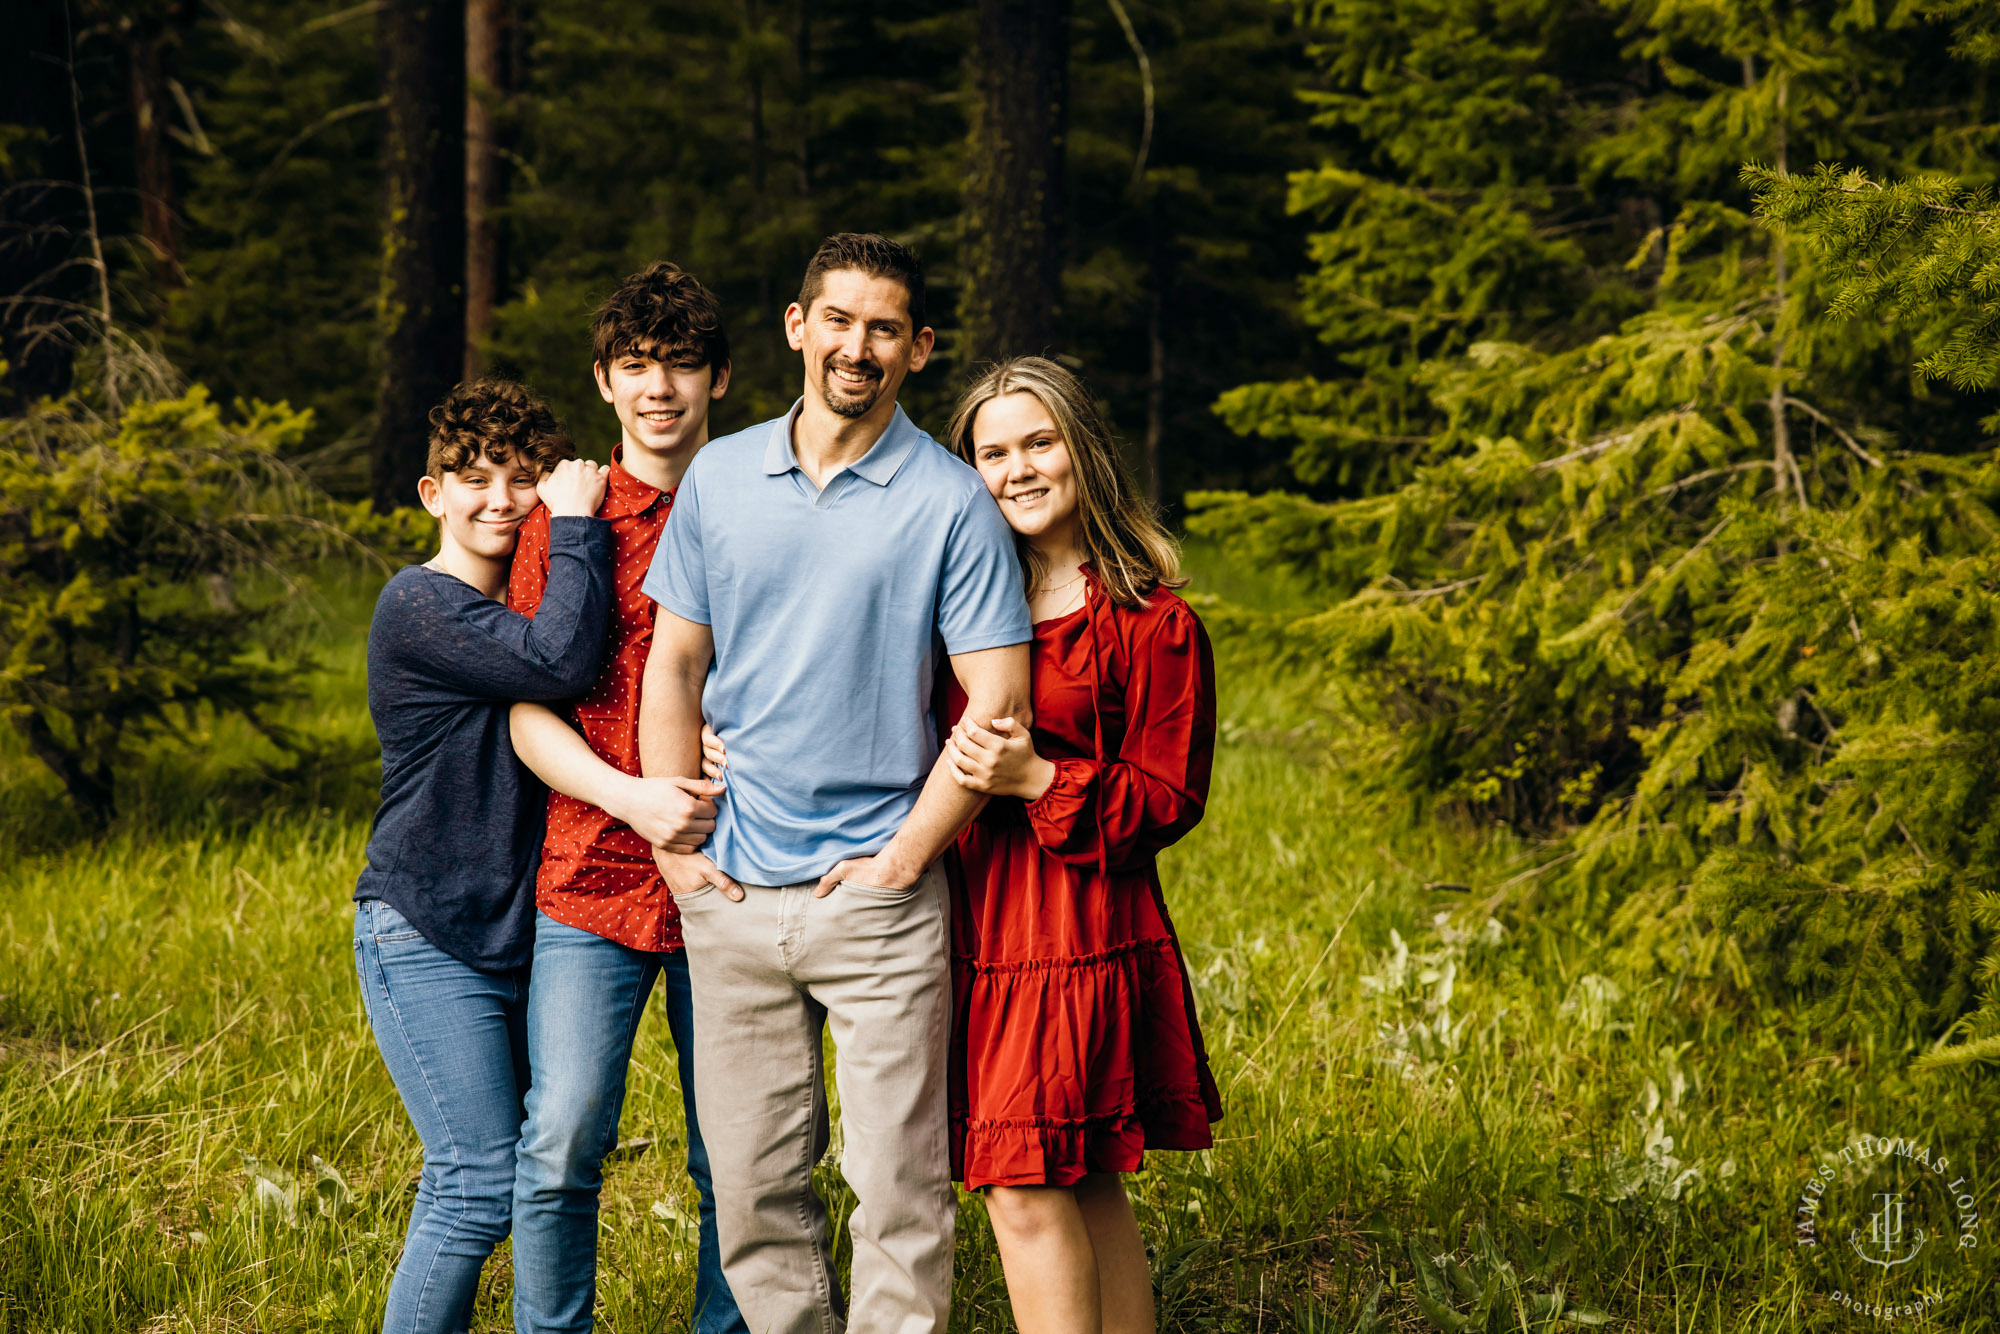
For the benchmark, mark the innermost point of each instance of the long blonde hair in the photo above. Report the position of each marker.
(1127, 546)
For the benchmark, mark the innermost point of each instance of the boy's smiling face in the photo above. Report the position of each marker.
(661, 399)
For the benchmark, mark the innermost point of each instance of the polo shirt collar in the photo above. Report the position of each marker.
(625, 495)
(878, 465)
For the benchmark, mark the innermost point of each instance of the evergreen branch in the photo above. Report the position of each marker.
(1688, 481)
(1145, 83)
(1589, 451)
(1863, 186)
(1965, 1053)
(1499, 892)
(1852, 444)
(1418, 594)
(330, 119)
(1673, 569)
(365, 10)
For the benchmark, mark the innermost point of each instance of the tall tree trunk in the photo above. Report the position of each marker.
(422, 44)
(1159, 276)
(753, 33)
(802, 40)
(1012, 258)
(1784, 463)
(152, 157)
(485, 24)
(34, 93)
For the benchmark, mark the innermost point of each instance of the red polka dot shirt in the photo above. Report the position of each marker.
(597, 875)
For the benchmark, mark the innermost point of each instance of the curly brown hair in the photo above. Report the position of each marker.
(494, 419)
(661, 312)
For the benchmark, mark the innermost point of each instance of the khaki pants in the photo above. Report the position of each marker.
(767, 974)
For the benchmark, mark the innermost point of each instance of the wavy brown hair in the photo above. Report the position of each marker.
(1126, 545)
(664, 313)
(492, 419)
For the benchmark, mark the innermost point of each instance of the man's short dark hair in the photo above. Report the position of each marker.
(876, 256)
(491, 419)
(663, 313)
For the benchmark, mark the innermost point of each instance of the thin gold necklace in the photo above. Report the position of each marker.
(1060, 587)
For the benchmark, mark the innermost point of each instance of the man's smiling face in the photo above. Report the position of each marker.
(661, 398)
(857, 341)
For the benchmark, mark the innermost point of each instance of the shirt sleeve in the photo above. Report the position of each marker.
(678, 576)
(473, 647)
(529, 578)
(981, 604)
(1154, 791)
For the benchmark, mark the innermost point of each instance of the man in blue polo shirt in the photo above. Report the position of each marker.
(816, 568)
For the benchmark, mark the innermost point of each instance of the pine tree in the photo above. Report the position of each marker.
(1924, 250)
(1642, 553)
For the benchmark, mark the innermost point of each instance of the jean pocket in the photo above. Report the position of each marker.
(390, 927)
(689, 897)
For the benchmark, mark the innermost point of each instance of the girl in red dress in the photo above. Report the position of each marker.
(1076, 1046)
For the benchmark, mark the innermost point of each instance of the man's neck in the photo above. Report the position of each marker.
(662, 472)
(824, 442)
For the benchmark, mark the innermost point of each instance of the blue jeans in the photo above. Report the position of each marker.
(583, 1012)
(455, 1041)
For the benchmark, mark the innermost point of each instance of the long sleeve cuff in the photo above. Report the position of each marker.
(585, 534)
(1057, 814)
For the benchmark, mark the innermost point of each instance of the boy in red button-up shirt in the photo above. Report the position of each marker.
(606, 928)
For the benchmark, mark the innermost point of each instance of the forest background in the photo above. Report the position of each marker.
(1582, 414)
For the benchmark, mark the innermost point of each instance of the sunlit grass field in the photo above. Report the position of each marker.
(1433, 1122)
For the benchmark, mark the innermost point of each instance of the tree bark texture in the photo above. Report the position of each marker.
(34, 223)
(422, 303)
(153, 158)
(1012, 257)
(485, 23)
(1160, 277)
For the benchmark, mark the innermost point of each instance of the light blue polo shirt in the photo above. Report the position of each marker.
(830, 609)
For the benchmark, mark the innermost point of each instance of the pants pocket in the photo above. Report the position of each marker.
(882, 893)
(388, 926)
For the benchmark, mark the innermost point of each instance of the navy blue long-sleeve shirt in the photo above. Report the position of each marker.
(458, 837)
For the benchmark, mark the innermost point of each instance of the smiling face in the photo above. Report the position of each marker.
(857, 341)
(481, 507)
(1026, 464)
(662, 404)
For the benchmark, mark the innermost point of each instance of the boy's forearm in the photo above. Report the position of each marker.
(556, 754)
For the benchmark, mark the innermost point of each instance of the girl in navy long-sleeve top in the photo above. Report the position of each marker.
(444, 915)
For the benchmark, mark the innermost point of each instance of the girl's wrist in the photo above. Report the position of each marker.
(617, 793)
(1041, 774)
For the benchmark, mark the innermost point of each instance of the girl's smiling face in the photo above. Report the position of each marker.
(1026, 465)
(481, 506)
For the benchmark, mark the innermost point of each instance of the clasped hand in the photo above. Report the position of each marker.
(574, 488)
(683, 865)
(673, 814)
(1000, 761)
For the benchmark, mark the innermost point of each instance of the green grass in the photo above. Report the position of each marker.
(181, 995)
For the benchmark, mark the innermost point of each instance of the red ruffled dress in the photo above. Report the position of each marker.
(1075, 1045)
